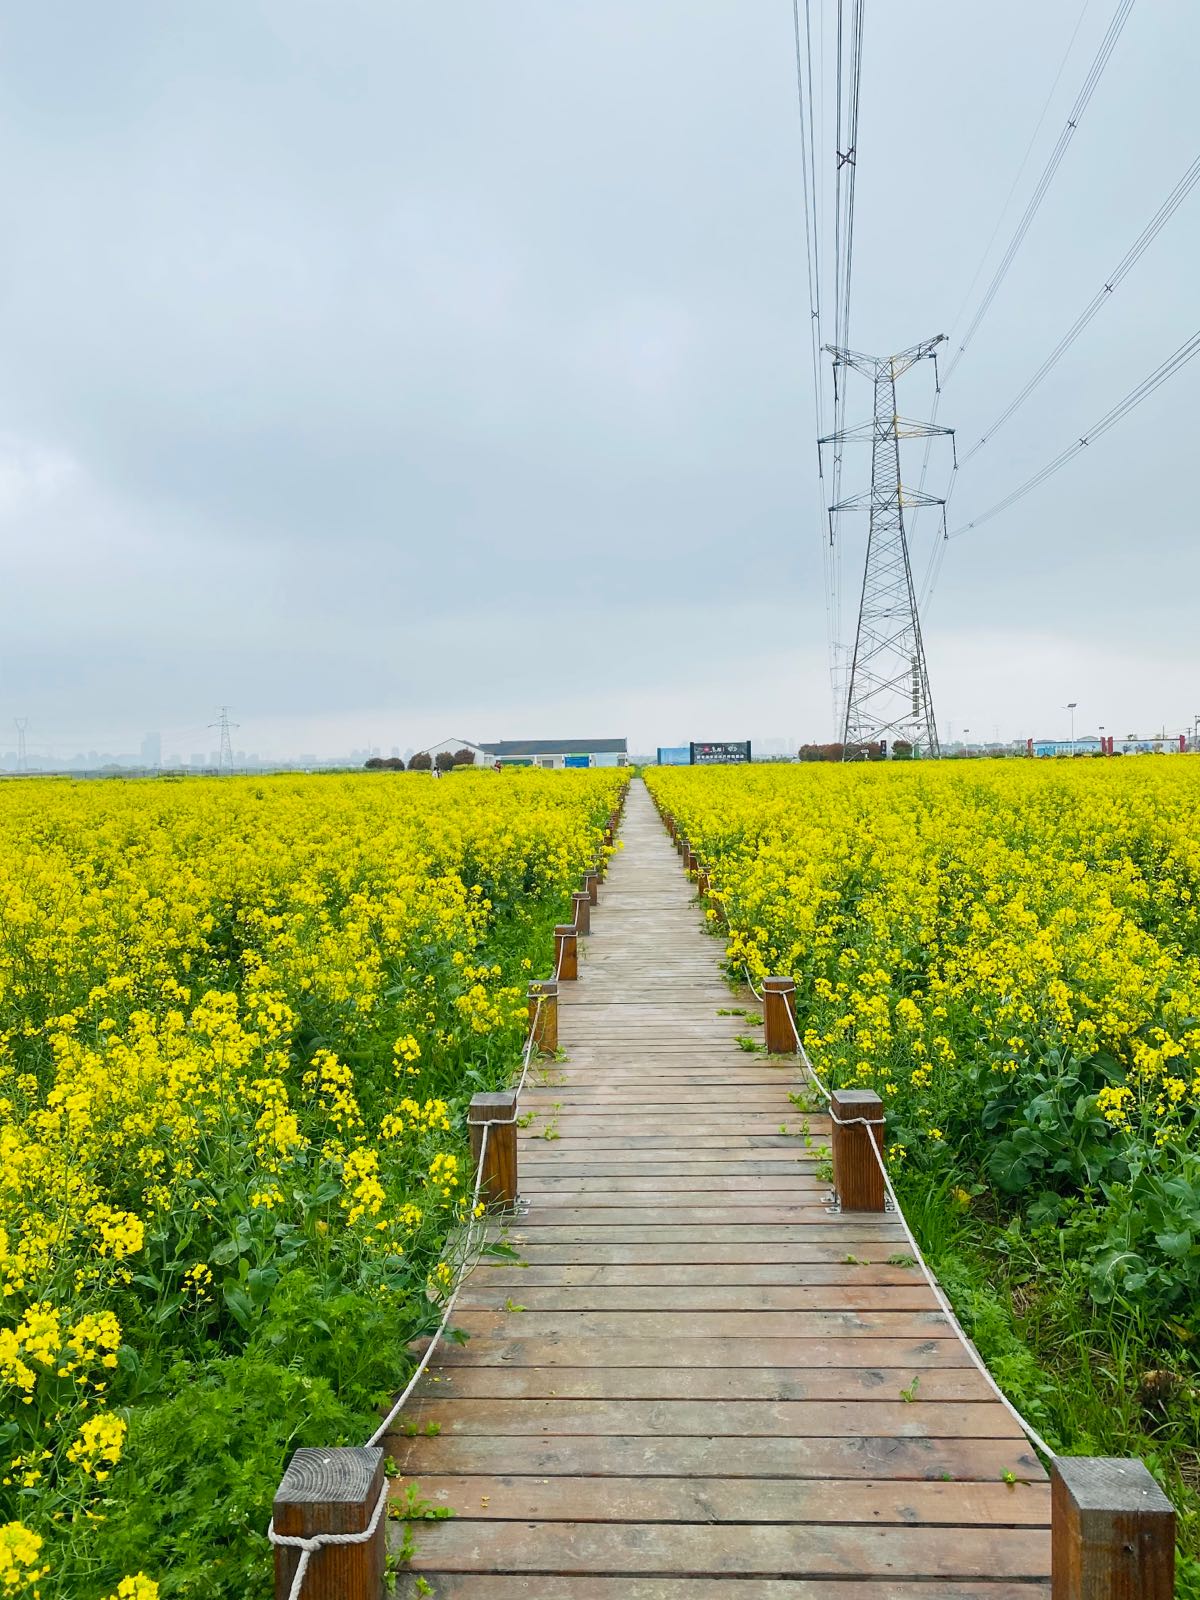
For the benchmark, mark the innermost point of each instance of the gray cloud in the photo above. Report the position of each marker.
(359, 360)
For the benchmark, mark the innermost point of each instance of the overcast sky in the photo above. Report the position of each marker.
(393, 371)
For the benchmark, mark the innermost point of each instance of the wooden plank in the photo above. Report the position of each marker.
(643, 1455)
(878, 1503)
(700, 1249)
(883, 1415)
(843, 1231)
(480, 1293)
(543, 1586)
(697, 1550)
(507, 1381)
(626, 1274)
(814, 1208)
(567, 1347)
(711, 1324)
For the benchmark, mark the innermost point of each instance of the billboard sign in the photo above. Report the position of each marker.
(711, 752)
(577, 761)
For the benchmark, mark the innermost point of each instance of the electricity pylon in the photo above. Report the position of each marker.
(225, 750)
(887, 697)
(21, 723)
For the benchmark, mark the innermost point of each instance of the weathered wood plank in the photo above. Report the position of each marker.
(879, 1503)
(645, 1455)
(823, 1551)
(883, 1415)
(512, 1343)
(506, 1381)
(480, 1294)
(543, 1586)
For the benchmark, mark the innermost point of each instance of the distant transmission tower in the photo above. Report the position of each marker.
(22, 723)
(888, 693)
(225, 751)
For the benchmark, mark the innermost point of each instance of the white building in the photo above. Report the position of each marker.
(451, 747)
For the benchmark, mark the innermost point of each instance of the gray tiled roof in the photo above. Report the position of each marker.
(556, 747)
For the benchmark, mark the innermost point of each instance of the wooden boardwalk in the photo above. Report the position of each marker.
(702, 1384)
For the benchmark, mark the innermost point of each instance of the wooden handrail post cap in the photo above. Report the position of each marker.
(543, 1014)
(332, 1491)
(1112, 1531)
(582, 901)
(857, 1177)
(566, 952)
(778, 1007)
(498, 1113)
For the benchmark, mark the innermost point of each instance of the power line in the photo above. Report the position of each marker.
(848, 99)
(1123, 268)
(812, 248)
(1123, 407)
(1094, 74)
(987, 249)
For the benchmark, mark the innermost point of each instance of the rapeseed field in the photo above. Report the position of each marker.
(1008, 952)
(239, 1025)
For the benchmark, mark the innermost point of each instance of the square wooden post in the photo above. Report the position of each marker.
(583, 911)
(591, 882)
(856, 1175)
(332, 1491)
(778, 1000)
(543, 1022)
(1112, 1531)
(498, 1112)
(566, 952)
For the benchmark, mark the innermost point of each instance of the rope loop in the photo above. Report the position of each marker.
(320, 1541)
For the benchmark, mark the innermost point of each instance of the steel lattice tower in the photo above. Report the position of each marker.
(225, 754)
(887, 697)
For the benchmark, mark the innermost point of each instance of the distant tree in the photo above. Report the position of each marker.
(464, 758)
(421, 762)
(444, 761)
(394, 764)
(901, 750)
(374, 764)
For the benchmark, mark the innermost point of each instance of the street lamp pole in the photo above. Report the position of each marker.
(1070, 706)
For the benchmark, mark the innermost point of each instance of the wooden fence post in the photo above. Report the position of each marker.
(499, 1185)
(591, 882)
(778, 1000)
(701, 883)
(583, 911)
(856, 1175)
(543, 1024)
(566, 952)
(1112, 1531)
(670, 822)
(332, 1491)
